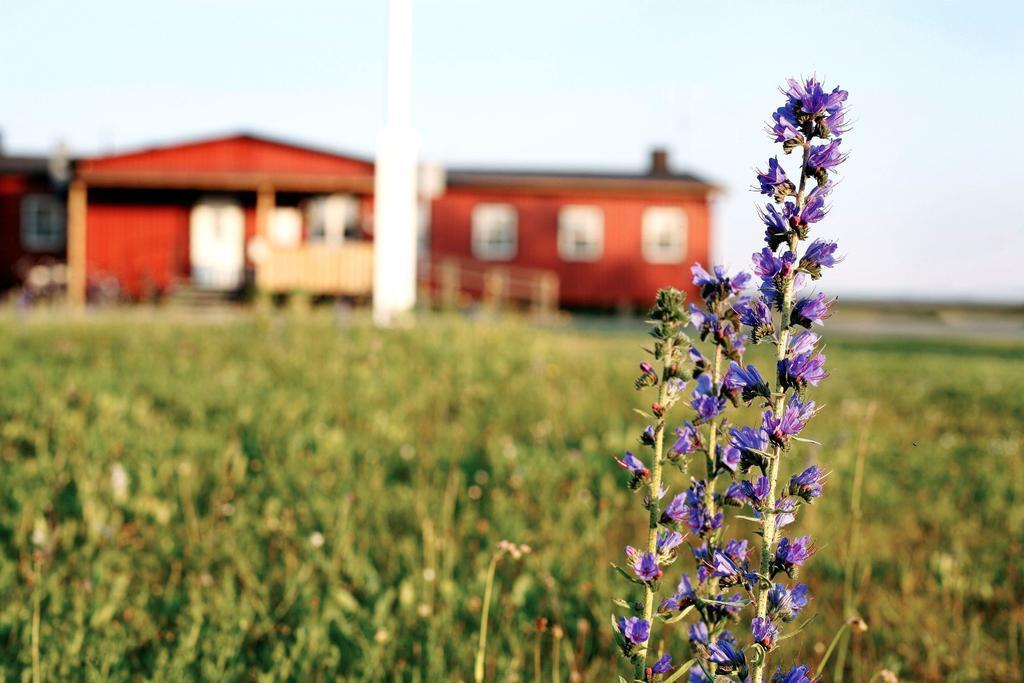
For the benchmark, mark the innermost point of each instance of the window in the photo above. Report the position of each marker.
(580, 233)
(42, 223)
(333, 219)
(494, 229)
(664, 234)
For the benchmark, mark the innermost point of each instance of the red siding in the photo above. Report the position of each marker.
(13, 257)
(621, 276)
(239, 154)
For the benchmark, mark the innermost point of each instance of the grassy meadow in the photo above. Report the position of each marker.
(298, 498)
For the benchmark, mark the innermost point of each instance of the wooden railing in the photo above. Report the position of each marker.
(450, 280)
(345, 269)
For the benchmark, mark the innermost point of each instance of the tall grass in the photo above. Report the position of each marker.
(309, 501)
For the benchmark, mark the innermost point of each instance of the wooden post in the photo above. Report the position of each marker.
(449, 283)
(264, 209)
(495, 287)
(77, 209)
(547, 294)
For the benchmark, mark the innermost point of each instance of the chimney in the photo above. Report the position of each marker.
(659, 162)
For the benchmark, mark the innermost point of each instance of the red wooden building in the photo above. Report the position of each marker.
(227, 212)
(32, 216)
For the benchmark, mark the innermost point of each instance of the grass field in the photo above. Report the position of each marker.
(298, 499)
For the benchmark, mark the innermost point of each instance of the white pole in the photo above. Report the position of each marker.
(394, 225)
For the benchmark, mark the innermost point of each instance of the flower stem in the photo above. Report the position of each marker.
(478, 669)
(654, 488)
(768, 524)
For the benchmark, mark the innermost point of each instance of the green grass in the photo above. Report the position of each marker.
(412, 453)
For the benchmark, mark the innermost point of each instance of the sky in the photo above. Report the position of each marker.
(926, 207)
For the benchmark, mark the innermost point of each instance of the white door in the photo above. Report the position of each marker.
(217, 244)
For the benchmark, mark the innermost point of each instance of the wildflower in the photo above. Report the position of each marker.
(798, 372)
(785, 512)
(706, 404)
(751, 445)
(700, 363)
(819, 254)
(699, 634)
(718, 286)
(697, 675)
(736, 549)
(635, 467)
(757, 492)
(634, 630)
(647, 437)
(673, 387)
(785, 603)
(765, 632)
(747, 383)
(798, 674)
(644, 565)
(794, 418)
(727, 656)
(688, 440)
(807, 484)
(726, 459)
(768, 266)
(785, 129)
(663, 665)
(813, 210)
(682, 598)
(690, 508)
(667, 541)
(821, 158)
(774, 182)
(791, 554)
(776, 225)
(757, 315)
(734, 495)
(726, 607)
(802, 343)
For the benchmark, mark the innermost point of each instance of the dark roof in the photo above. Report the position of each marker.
(24, 164)
(683, 182)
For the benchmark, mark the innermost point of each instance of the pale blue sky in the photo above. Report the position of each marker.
(927, 205)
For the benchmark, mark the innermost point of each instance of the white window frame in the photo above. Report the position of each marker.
(577, 220)
(656, 222)
(490, 221)
(32, 237)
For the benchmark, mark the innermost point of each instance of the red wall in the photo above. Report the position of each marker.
(13, 257)
(621, 276)
(142, 239)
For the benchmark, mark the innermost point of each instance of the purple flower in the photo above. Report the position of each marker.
(786, 603)
(810, 99)
(734, 495)
(727, 607)
(746, 383)
(765, 632)
(634, 629)
(768, 266)
(757, 315)
(798, 372)
(726, 569)
(700, 363)
(668, 541)
(736, 549)
(808, 483)
(636, 468)
(785, 129)
(820, 254)
(785, 512)
(717, 286)
(802, 343)
(706, 404)
(688, 439)
(682, 598)
(774, 182)
(798, 674)
(813, 210)
(690, 508)
(663, 665)
(726, 459)
(647, 437)
(750, 444)
(645, 565)
(790, 554)
(699, 633)
(757, 492)
(776, 225)
(811, 311)
(727, 657)
(794, 419)
(823, 157)
(675, 511)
